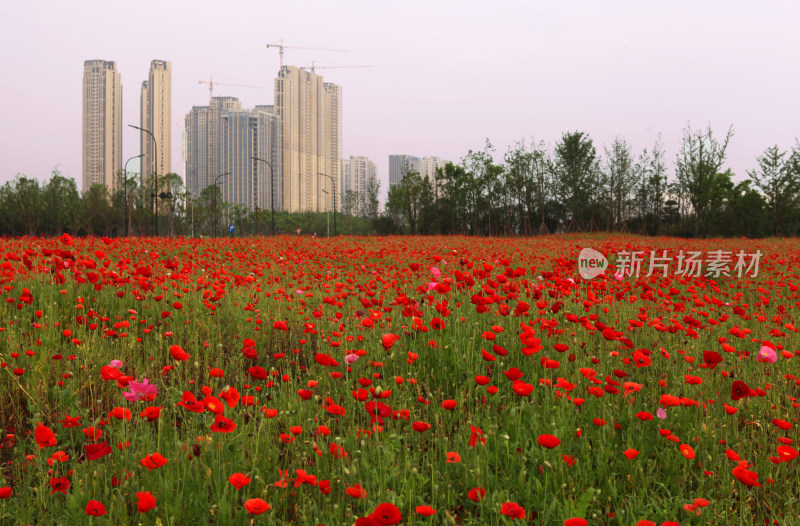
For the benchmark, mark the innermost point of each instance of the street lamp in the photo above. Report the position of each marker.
(334, 200)
(155, 171)
(328, 216)
(214, 226)
(127, 213)
(271, 189)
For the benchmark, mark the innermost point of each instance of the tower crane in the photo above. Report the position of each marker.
(313, 67)
(211, 85)
(281, 47)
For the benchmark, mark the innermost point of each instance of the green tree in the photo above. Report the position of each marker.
(620, 175)
(28, 203)
(576, 170)
(408, 198)
(60, 195)
(698, 167)
(779, 180)
(97, 212)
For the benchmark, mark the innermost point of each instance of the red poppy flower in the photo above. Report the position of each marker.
(449, 404)
(386, 514)
(59, 484)
(6, 492)
(513, 510)
(356, 491)
(746, 477)
(425, 511)
(630, 454)
(189, 402)
(95, 451)
(452, 458)
(44, 436)
(337, 451)
(420, 427)
(575, 521)
(740, 390)
(476, 494)
(548, 441)
(151, 413)
(782, 424)
(177, 352)
(120, 413)
(72, 421)
(239, 480)
(145, 501)
(223, 424)
(92, 433)
(153, 461)
(95, 508)
(256, 506)
(522, 388)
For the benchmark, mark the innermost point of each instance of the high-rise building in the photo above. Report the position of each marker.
(424, 166)
(156, 117)
(356, 174)
(245, 134)
(102, 124)
(400, 164)
(428, 167)
(224, 141)
(202, 140)
(310, 115)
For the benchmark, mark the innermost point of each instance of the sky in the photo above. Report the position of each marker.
(445, 76)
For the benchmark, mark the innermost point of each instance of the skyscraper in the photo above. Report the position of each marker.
(202, 141)
(310, 115)
(102, 124)
(224, 140)
(356, 173)
(428, 167)
(156, 117)
(400, 164)
(245, 134)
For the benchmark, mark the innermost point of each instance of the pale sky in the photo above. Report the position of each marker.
(446, 75)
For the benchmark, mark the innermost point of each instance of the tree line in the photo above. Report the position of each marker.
(533, 189)
(28, 207)
(573, 187)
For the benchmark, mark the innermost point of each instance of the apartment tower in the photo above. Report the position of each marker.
(310, 114)
(156, 117)
(224, 140)
(356, 174)
(400, 164)
(102, 124)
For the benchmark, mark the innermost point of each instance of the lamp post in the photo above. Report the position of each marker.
(155, 171)
(214, 226)
(334, 200)
(328, 217)
(128, 222)
(271, 189)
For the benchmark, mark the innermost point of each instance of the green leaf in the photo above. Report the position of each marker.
(582, 505)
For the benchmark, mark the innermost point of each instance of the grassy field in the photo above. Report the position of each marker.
(307, 381)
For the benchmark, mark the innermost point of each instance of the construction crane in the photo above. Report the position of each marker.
(211, 85)
(313, 67)
(281, 47)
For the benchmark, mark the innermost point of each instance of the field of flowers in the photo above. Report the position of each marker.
(379, 381)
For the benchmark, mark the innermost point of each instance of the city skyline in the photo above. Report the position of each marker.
(634, 69)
